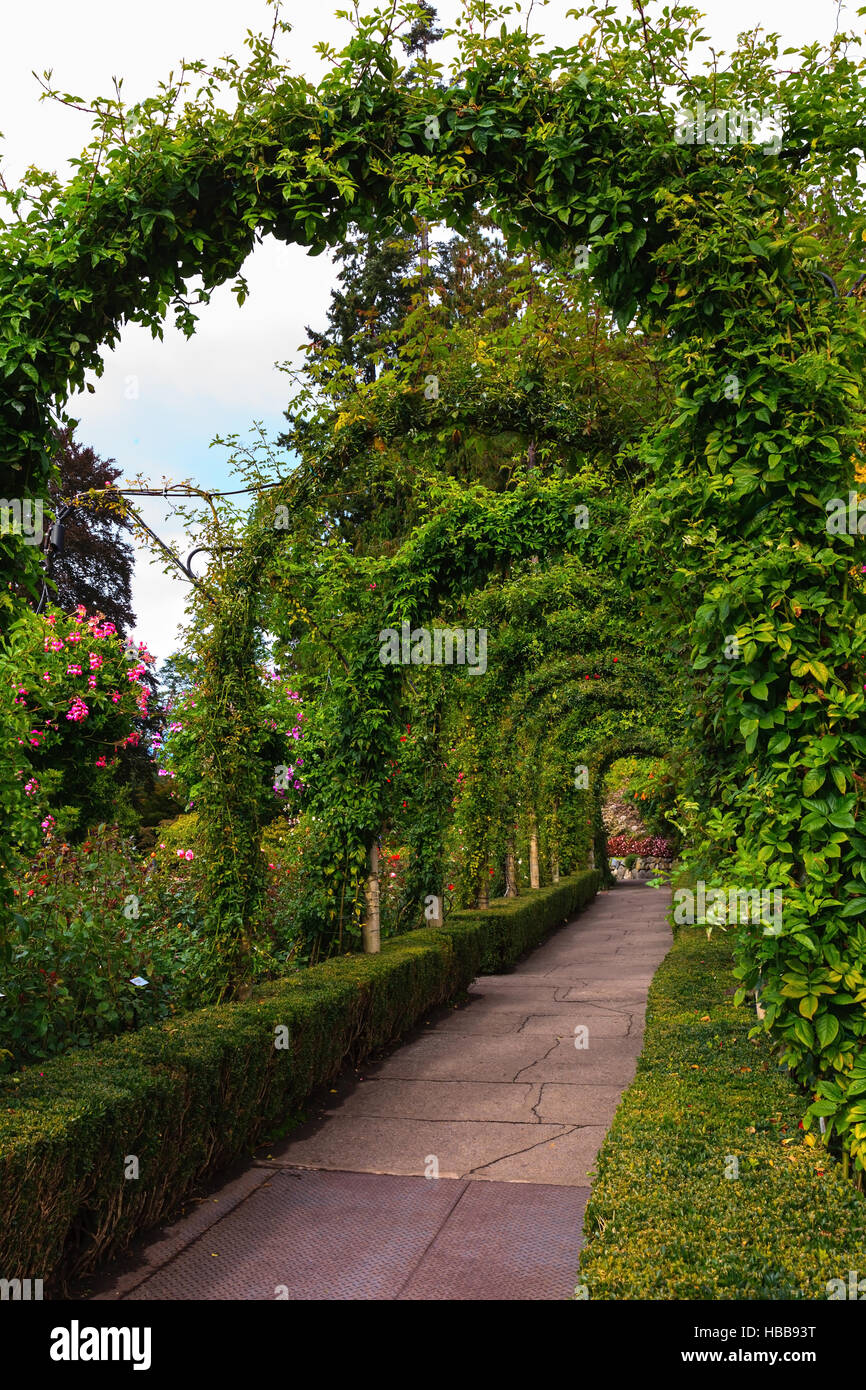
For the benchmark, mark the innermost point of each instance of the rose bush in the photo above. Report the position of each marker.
(101, 943)
(85, 699)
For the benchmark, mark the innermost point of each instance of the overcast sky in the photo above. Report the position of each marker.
(158, 405)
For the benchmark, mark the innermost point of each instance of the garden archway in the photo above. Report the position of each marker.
(598, 764)
(566, 150)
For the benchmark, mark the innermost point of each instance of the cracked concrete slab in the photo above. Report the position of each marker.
(442, 1100)
(565, 1160)
(588, 1103)
(415, 1147)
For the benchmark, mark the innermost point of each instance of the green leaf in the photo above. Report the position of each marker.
(827, 1028)
(813, 780)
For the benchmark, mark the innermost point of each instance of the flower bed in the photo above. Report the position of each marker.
(650, 846)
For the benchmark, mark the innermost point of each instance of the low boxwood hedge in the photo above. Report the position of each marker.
(189, 1097)
(667, 1218)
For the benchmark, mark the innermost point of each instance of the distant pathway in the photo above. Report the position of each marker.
(494, 1095)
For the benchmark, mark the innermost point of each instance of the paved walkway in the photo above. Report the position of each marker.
(505, 1099)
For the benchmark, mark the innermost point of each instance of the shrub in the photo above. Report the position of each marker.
(192, 1096)
(665, 1221)
(89, 920)
(86, 696)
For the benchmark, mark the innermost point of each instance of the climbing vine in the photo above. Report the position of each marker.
(744, 263)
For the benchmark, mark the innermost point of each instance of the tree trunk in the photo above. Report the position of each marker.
(554, 868)
(483, 899)
(370, 930)
(511, 888)
(534, 878)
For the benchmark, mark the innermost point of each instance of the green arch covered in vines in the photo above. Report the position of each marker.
(708, 243)
(649, 745)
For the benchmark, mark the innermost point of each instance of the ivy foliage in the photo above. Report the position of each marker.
(729, 255)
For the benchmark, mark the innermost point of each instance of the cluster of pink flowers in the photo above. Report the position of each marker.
(79, 710)
(653, 845)
(185, 854)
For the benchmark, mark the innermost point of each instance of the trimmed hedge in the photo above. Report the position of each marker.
(663, 1220)
(194, 1095)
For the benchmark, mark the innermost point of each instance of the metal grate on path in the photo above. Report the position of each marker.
(308, 1235)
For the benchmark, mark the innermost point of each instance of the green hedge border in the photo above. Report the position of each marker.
(663, 1221)
(193, 1096)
